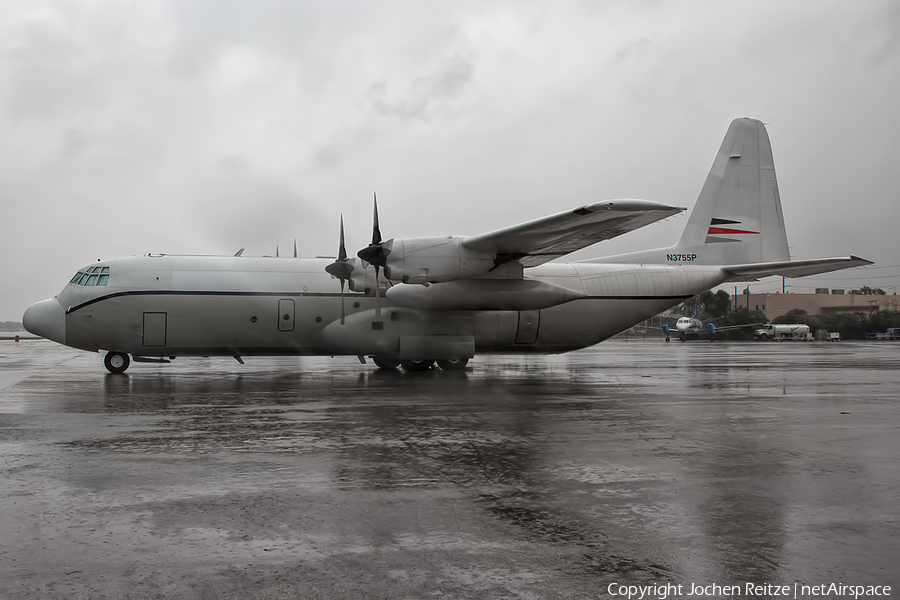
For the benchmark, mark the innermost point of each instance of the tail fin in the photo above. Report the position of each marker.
(697, 310)
(737, 218)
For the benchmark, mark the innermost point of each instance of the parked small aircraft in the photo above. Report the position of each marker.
(414, 301)
(693, 326)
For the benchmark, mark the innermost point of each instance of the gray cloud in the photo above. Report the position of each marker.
(428, 94)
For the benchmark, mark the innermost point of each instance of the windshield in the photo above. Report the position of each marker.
(93, 276)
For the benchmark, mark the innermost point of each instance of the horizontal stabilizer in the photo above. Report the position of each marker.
(793, 268)
(543, 240)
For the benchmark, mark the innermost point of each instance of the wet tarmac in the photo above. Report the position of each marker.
(528, 477)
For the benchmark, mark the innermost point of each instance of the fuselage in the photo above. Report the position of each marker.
(208, 305)
(688, 325)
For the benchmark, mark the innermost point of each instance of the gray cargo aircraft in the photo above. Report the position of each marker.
(412, 302)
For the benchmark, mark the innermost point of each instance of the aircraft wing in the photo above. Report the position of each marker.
(744, 326)
(543, 240)
(793, 268)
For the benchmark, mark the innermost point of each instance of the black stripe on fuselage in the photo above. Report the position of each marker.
(309, 295)
(210, 293)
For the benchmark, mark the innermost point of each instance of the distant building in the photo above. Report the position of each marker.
(775, 305)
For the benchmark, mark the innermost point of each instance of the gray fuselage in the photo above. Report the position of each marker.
(208, 305)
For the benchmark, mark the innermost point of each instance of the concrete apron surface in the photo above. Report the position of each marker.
(632, 463)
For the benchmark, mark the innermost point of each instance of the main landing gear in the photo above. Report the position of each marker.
(116, 362)
(453, 364)
(449, 364)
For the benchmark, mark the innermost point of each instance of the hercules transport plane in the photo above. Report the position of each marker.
(412, 302)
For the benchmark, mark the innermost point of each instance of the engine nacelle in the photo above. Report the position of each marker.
(433, 260)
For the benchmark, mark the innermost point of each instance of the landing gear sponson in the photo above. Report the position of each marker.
(446, 364)
(118, 362)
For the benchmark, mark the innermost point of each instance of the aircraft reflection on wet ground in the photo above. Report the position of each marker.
(544, 476)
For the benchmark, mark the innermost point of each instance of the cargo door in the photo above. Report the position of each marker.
(154, 329)
(529, 322)
(286, 315)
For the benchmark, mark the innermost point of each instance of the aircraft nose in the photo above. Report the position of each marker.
(47, 319)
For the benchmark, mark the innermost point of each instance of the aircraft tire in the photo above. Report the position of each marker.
(449, 364)
(416, 365)
(116, 362)
(386, 363)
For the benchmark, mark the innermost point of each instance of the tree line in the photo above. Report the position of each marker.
(853, 326)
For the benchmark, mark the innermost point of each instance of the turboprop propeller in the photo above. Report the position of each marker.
(341, 268)
(376, 254)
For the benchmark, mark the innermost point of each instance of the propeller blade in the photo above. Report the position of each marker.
(376, 230)
(375, 253)
(342, 301)
(276, 250)
(295, 247)
(342, 251)
(377, 295)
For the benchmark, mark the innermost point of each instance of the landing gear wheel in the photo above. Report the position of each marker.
(682, 338)
(453, 364)
(116, 362)
(416, 365)
(386, 363)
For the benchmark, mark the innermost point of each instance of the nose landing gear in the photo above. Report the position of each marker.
(116, 362)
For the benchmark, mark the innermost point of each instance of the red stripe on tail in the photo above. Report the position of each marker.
(722, 230)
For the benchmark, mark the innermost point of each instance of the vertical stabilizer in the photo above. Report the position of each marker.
(737, 218)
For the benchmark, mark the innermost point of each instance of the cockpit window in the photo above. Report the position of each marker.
(91, 276)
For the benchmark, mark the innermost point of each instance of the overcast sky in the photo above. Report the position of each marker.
(204, 127)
